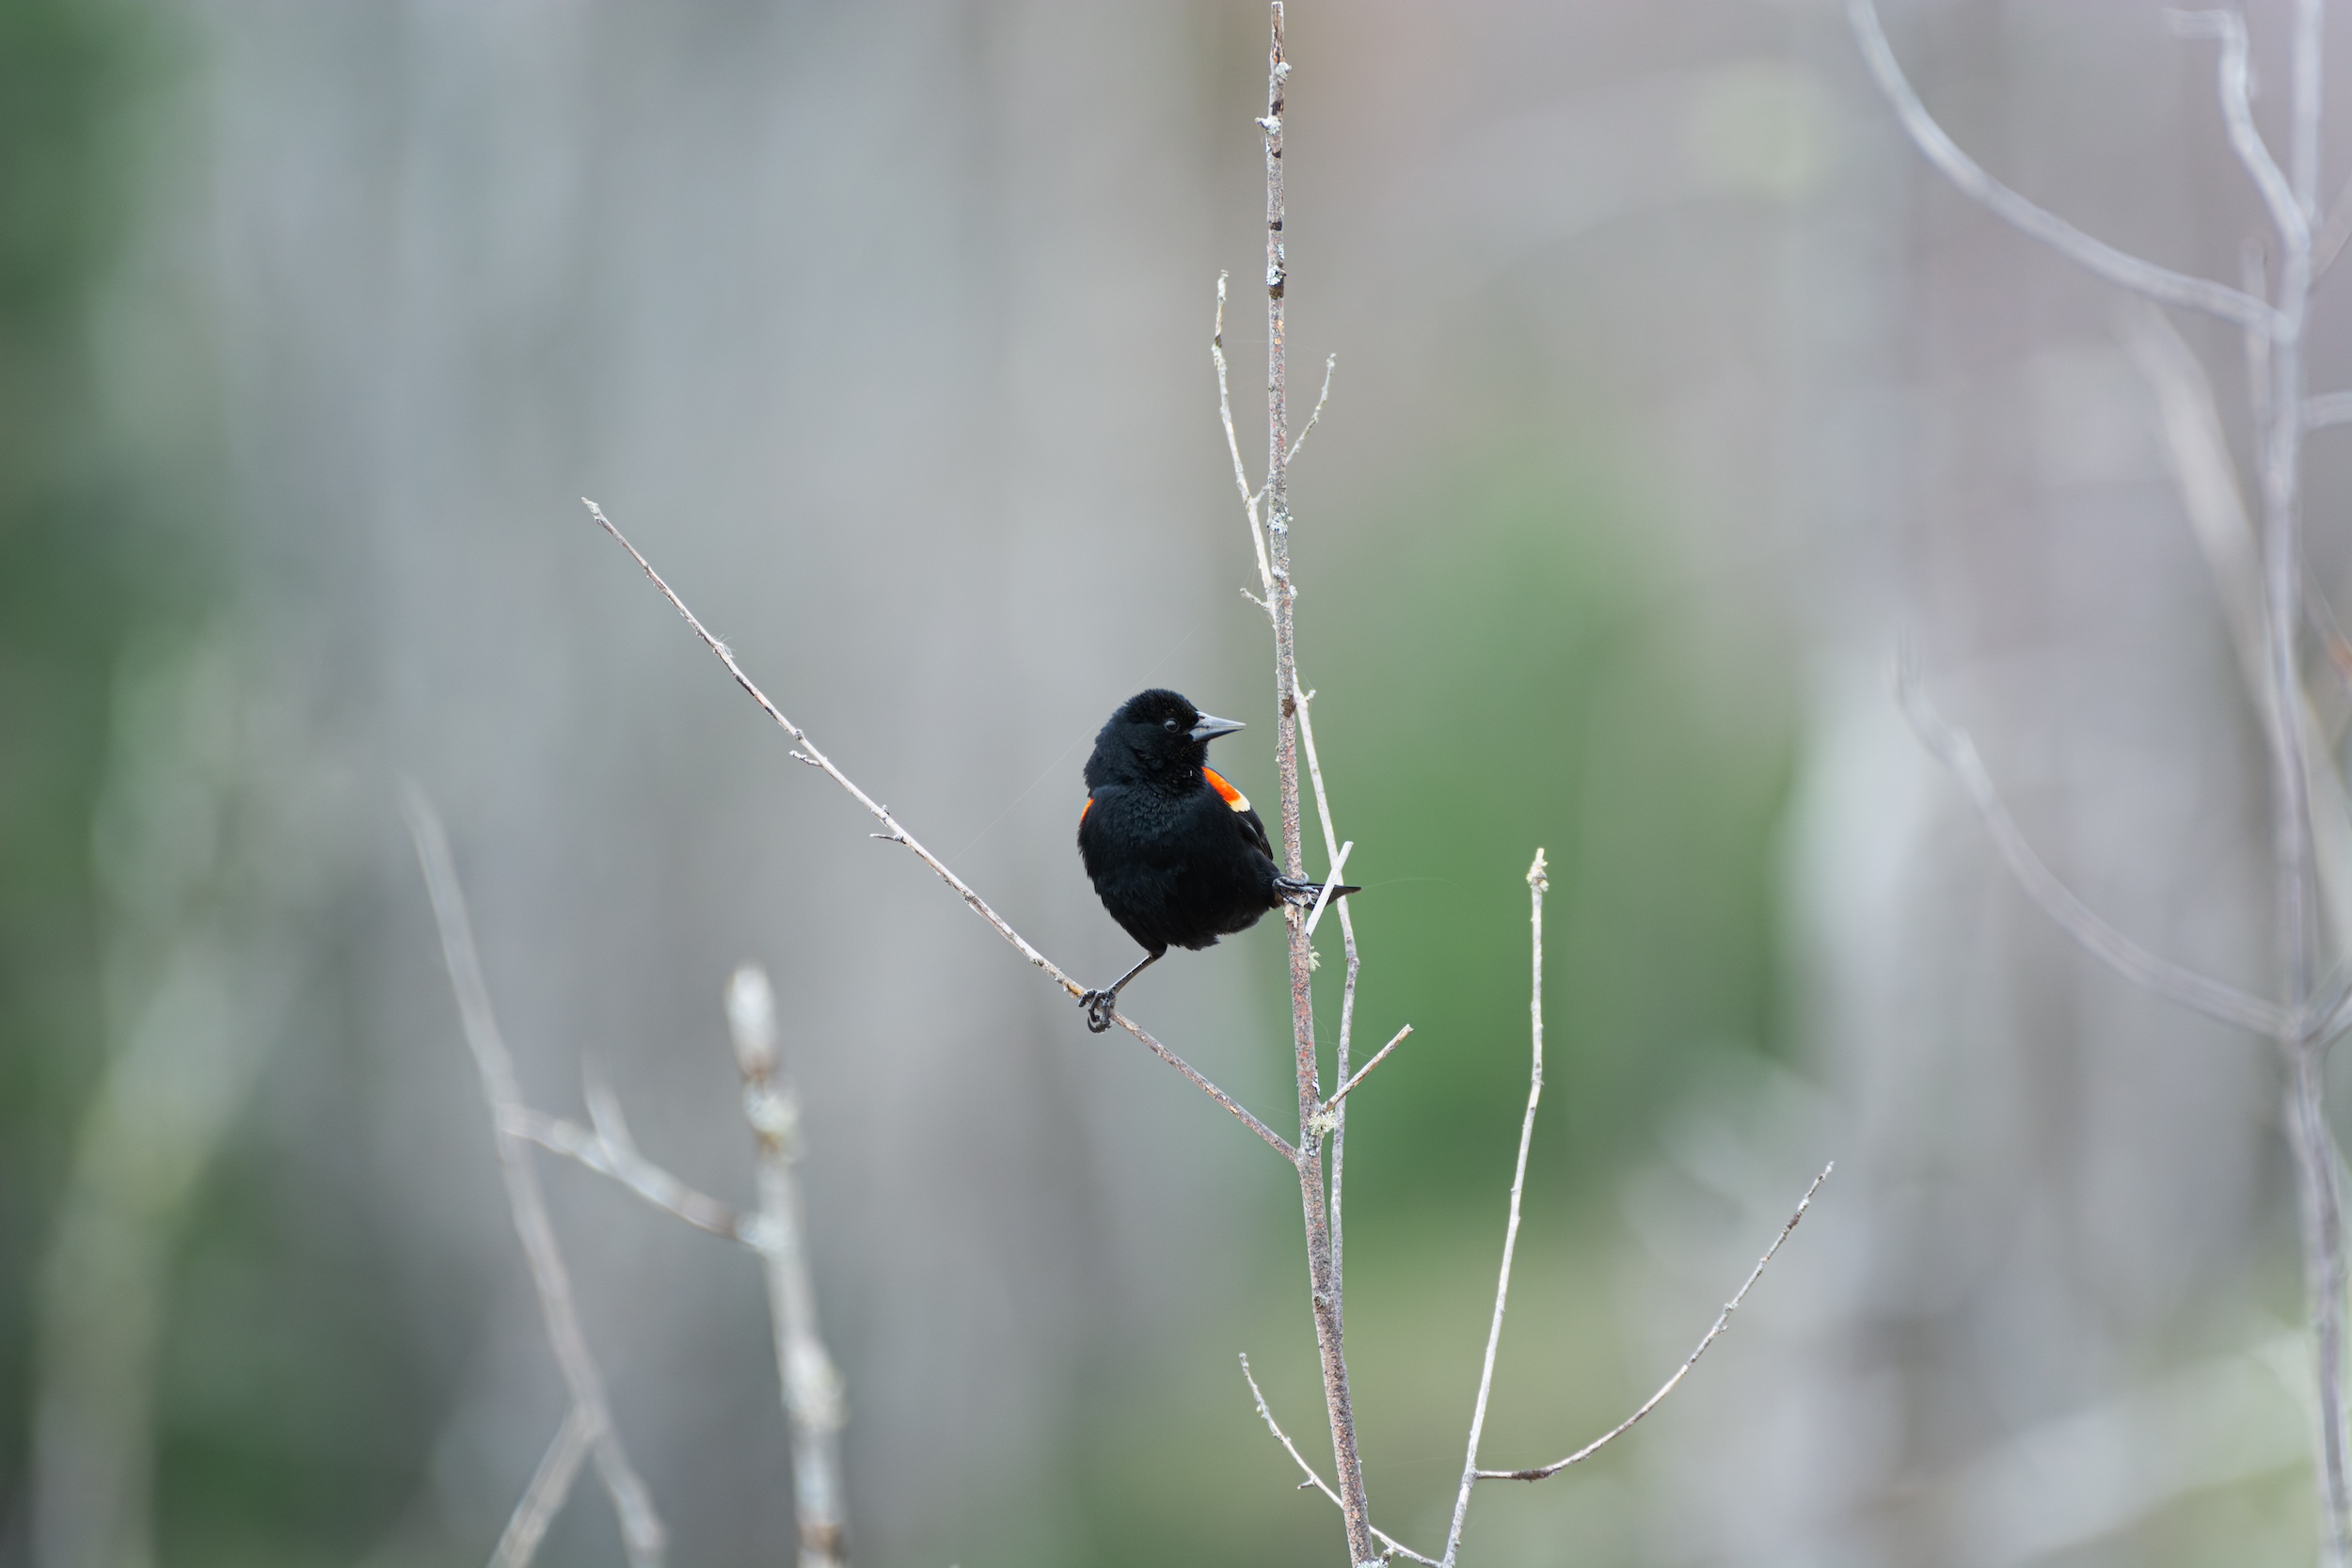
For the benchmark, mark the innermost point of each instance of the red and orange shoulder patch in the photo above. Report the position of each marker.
(1088, 807)
(1226, 792)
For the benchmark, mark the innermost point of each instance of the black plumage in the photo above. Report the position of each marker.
(1175, 853)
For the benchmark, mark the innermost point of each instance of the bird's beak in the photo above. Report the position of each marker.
(1209, 729)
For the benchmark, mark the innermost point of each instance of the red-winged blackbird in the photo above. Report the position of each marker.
(1174, 852)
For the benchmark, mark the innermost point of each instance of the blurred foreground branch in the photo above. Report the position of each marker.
(588, 1423)
(810, 1384)
(807, 1377)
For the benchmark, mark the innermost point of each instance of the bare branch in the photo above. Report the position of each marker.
(1331, 880)
(2288, 213)
(1651, 1404)
(550, 1485)
(1323, 1291)
(895, 834)
(1393, 1548)
(1538, 882)
(2327, 244)
(2327, 410)
(2095, 256)
(2310, 21)
(1336, 855)
(1329, 365)
(641, 1528)
(624, 1164)
(2199, 451)
(810, 1383)
(1232, 445)
(1347, 1088)
(2216, 1000)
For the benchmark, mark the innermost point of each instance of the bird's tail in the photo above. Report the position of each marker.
(1309, 891)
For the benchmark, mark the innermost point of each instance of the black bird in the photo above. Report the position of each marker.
(1175, 853)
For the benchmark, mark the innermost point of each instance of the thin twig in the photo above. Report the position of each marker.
(1390, 1544)
(1336, 854)
(1329, 365)
(640, 1527)
(550, 1485)
(1722, 1322)
(1537, 884)
(2198, 449)
(2303, 150)
(1232, 447)
(1954, 749)
(640, 1175)
(2327, 244)
(2118, 267)
(2234, 89)
(1331, 880)
(810, 1381)
(1340, 1094)
(894, 832)
(2327, 410)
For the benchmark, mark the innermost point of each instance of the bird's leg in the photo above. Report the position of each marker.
(1099, 1004)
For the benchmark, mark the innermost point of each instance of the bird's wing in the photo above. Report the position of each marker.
(1252, 826)
(1253, 829)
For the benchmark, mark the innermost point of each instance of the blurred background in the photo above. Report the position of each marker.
(1672, 390)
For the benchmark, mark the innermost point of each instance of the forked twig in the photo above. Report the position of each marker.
(1349, 1087)
(895, 834)
(591, 1415)
(594, 1149)
(1722, 1322)
(2235, 90)
(2118, 267)
(1395, 1547)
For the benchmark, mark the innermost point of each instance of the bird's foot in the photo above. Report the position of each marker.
(1099, 1005)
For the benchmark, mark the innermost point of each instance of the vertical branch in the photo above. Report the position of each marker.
(1537, 884)
(811, 1384)
(2303, 153)
(641, 1528)
(1347, 988)
(1323, 1286)
(2298, 870)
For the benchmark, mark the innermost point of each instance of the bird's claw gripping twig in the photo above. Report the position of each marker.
(1099, 1005)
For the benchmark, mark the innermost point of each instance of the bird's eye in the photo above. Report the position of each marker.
(1168, 723)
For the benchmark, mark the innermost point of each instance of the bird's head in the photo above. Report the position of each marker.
(1156, 735)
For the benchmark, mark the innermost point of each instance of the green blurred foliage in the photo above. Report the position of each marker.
(1505, 666)
(82, 571)
(292, 1412)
